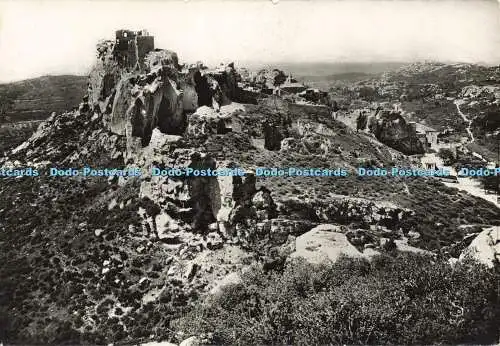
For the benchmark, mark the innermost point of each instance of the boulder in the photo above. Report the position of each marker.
(207, 120)
(391, 128)
(191, 341)
(145, 102)
(230, 279)
(485, 248)
(324, 243)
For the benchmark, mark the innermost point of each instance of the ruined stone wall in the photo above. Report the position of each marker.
(145, 44)
(132, 47)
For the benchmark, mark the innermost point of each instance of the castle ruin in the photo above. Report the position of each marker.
(132, 46)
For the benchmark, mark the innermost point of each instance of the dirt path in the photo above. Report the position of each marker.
(467, 120)
(473, 187)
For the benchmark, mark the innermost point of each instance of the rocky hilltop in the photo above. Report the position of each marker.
(107, 259)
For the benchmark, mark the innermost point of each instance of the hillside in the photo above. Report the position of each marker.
(37, 98)
(24, 104)
(428, 93)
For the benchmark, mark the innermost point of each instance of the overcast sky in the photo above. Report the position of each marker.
(55, 37)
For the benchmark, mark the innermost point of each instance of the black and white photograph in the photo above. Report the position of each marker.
(249, 172)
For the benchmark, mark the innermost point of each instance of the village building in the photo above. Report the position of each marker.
(427, 135)
(431, 161)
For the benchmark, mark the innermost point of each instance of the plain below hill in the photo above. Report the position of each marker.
(37, 98)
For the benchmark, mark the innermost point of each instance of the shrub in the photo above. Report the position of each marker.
(407, 299)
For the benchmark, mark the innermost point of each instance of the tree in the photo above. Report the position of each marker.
(447, 155)
(491, 183)
(279, 77)
(361, 121)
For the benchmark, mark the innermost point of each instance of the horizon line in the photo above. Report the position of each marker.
(275, 64)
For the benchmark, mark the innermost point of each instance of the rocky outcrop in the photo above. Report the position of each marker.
(197, 203)
(206, 121)
(324, 243)
(344, 210)
(157, 94)
(161, 58)
(485, 248)
(144, 103)
(392, 129)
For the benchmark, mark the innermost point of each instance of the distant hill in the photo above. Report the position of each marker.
(345, 76)
(324, 75)
(37, 98)
(323, 69)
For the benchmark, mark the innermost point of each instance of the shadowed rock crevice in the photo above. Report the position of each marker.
(203, 89)
(200, 189)
(141, 127)
(169, 122)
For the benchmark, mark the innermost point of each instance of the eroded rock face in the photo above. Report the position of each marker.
(140, 106)
(195, 201)
(391, 129)
(159, 95)
(103, 77)
(122, 102)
